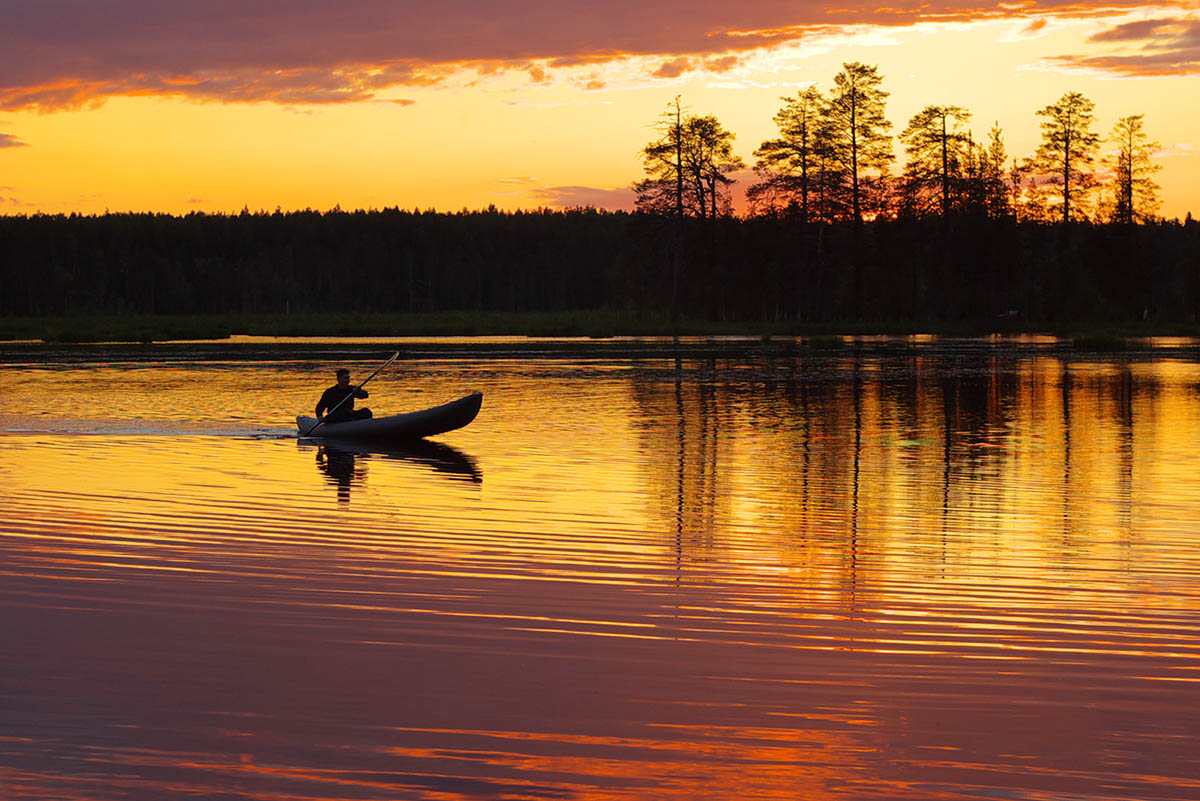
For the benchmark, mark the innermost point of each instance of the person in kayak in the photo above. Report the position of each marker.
(334, 396)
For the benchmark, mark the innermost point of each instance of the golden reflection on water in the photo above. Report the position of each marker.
(922, 575)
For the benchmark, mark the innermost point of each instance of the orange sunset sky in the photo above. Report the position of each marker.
(145, 105)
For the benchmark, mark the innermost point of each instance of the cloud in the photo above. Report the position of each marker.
(59, 54)
(8, 140)
(722, 63)
(1183, 149)
(1150, 47)
(1135, 31)
(511, 187)
(284, 86)
(574, 197)
(673, 68)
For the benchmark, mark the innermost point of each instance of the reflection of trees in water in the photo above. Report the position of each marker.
(683, 435)
(1123, 391)
(840, 458)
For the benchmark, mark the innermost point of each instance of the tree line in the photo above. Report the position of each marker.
(387, 260)
(831, 161)
(768, 267)
(962, 234)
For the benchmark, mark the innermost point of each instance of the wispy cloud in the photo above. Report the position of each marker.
(285, 86)
(512, 187)
(8, 140)
(1178, 150)
(575, 197)
(1148, 47)
(57, 54)
(13, 200)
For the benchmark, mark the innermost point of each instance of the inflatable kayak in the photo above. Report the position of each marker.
(398, 427)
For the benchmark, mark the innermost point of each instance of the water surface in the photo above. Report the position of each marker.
(717, 570)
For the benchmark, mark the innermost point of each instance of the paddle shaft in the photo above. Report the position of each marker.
(351, 395)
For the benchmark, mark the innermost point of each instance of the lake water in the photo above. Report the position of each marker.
(727, 570)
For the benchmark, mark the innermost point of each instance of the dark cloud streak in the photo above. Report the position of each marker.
(68, 53)
(1133, 31)
(1155, 47)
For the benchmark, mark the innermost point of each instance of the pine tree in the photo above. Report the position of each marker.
(688, 167)
(788, 166)
(938, 149)
(856, 134)
(1135, 194)
(1067, 152)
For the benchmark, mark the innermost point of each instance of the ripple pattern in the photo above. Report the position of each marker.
(944, 576)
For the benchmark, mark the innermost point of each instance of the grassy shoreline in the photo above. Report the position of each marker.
(595, 324)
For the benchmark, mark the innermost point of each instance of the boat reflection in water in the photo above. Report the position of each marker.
(343, 462)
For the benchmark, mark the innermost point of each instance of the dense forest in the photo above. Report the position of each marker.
(962, 235)
(770, 267)
(385, 261)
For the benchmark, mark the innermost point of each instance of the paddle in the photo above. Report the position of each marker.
(351, 395)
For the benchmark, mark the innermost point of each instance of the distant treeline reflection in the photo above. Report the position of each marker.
(989, 451)
(761, 268)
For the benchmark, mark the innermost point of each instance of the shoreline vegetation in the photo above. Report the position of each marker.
(584, 272)
(596, 324)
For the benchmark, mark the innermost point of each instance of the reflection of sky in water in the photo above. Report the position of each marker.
(937, 577)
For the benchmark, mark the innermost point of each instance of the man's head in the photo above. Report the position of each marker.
(343, 377)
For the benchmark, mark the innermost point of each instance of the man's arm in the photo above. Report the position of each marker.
(360, 393)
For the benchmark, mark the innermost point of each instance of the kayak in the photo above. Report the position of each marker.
(398, 427)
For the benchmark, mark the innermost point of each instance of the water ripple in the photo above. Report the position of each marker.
(941, 576)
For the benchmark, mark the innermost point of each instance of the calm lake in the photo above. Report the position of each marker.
(648, 570)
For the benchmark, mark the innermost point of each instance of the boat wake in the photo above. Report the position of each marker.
(140, 428)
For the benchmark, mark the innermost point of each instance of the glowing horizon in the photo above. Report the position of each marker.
(215, 107)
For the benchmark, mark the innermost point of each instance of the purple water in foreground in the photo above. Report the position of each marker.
(930, 575)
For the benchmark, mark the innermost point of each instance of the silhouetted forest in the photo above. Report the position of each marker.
(962, 236)
(970, 268)
(306, 261)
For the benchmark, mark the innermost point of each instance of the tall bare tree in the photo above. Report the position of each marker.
(938, 148)
(1136, 195)
(856, 129)
(1067, 151)
(662, 159)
